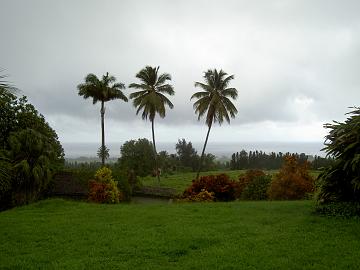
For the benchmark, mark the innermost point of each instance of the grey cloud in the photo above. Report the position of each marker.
(282, 52)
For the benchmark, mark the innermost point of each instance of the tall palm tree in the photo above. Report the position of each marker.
(102, 90)
(214, 101)
(151, 99)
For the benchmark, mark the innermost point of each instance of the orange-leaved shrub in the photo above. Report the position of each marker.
(104, 189)
(221, 186)
(292, 182)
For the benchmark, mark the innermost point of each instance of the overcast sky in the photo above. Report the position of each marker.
(296, 63)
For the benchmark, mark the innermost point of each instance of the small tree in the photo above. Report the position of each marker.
(341, 181)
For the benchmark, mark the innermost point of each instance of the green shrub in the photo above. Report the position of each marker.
(221, 185)
(246, 179)
(257, 188)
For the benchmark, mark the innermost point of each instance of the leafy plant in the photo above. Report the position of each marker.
(341, 181)
(30, 151)
(104, 189)
(246, 179)
(292, 182)
(257, 188)
(220, 185)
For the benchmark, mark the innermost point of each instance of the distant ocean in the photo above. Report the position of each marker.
(75, 150)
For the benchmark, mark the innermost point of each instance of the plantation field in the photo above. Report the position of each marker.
(59, 234)
(180, 181)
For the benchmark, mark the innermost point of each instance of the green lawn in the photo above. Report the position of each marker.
(181, 181)
(59, 234)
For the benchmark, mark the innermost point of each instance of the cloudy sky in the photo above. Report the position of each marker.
(296, 63)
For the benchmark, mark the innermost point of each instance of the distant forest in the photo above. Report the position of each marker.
(261, 160)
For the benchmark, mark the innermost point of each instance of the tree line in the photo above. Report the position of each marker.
(271, 161)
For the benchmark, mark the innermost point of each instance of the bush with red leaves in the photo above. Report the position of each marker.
(220, 185)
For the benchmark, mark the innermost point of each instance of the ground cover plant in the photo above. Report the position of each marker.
(58, 234)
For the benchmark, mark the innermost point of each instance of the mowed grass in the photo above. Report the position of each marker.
(59, 234)
(180, 181)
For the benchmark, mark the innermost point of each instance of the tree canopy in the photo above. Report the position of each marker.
(29, 151)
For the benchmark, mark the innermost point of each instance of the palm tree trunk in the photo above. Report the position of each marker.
(155, 153)
(102, 112)
(203, 151)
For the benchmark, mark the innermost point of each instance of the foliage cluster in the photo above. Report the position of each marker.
(220, 185)
(137, 155)
(246, 179)
(340, 182)
(257, 188)
(292, 182)
(30, 151)
(104, 188)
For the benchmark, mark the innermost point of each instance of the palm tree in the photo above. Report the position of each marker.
(151, 99)
(214, 101)
(102, 90)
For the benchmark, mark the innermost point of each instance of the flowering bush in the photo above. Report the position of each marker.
(221, 186)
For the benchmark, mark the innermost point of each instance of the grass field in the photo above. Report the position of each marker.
(59, 234)
(180, 181)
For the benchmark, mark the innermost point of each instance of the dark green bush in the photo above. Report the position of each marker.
(339, 209)
(257, 188)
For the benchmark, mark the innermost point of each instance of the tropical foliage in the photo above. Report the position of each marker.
(137, 155)
(340, 182)
(30, 151)
(214, 101)
(220, 186)
(102, 91)
(104, 188)
(150, 99)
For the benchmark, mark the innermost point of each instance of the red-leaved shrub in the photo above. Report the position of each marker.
(221, 186)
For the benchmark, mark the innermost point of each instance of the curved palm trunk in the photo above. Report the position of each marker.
(203, 151)
(155, 153)
(102, 112)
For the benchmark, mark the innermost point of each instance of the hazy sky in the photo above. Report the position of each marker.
(296, 63)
